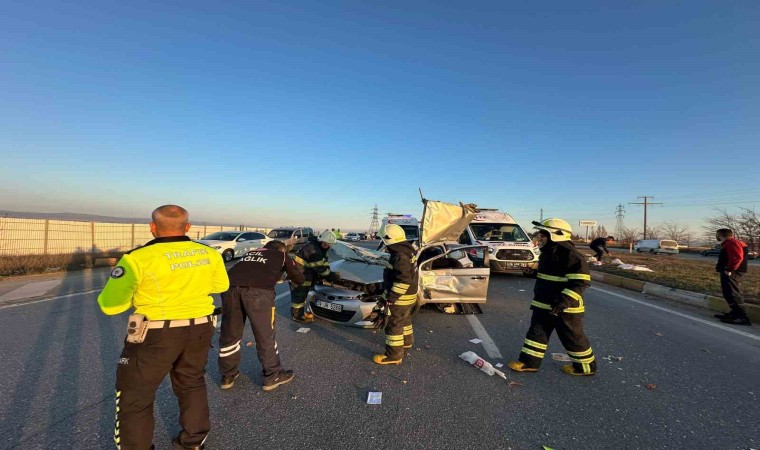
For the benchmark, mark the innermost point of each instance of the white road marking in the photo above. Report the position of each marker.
(696, 319)
(488, 344)
(14, 305)
(30, 290)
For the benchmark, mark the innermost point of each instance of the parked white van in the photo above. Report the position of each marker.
(511, 248)
(656, 246)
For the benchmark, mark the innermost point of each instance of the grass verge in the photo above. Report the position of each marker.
(675, 272)
(31, 264)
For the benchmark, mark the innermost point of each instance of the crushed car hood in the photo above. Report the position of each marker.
(358, 264)
(444, 222)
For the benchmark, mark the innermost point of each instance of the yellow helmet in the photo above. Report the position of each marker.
(392, 234)
(558, 229)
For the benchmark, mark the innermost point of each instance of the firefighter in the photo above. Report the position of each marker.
(168, 281)
(557, 303)
(400, 285)
(251, 296)
(312, 260)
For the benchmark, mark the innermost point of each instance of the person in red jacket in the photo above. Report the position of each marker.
(732, 265)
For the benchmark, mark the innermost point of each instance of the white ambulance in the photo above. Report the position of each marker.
(408, 222)
(510, 248)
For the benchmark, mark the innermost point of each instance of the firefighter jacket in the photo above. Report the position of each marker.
(169, 278)
(562, 277)
(263, 268)
(400, 280)
(312, 258)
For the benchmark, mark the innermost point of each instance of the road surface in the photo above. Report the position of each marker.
(59, 358)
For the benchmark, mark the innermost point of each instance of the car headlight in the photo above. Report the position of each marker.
(490, 250)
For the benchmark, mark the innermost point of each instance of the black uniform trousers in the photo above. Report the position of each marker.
(181, 352)
(599, 253)
(731, 287)
(398, 331)
(569, 328)
(257, 305)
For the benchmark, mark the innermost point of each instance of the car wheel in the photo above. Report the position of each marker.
(227, 255)
(638, 250)
(528, 272)
(652, 251)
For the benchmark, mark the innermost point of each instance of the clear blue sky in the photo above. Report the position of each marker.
(311, 113)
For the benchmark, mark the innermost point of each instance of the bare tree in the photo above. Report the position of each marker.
(600, 231)
(654, 232)
(745, 224)
(676, 232)
(628, 235)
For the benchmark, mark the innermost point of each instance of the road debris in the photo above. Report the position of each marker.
(375, 398)
(499, 365)
(303, 330)
(561, 357)
(611, 358)
(482, 364)
(428, 346)
(515, 383)
(658, 334)
(521, 290)
(249, 344)
(476, 341)
(706, 350)
(404, 381)
(651, 386)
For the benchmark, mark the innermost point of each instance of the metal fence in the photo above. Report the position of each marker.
(53, 237)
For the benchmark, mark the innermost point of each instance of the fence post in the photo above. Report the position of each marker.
(92, 237)
(204, 230)
(133, 236)
(45, 239)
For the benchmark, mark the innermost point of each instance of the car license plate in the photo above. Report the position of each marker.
(331, 306)
(517, 265)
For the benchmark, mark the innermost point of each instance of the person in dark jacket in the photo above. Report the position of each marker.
(732, 265)
(312, 259)
(599, 246)
(251, 296)
(562, 277)
(400, 285)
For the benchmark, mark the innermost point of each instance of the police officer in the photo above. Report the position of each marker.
(168, 281)
(400, 284)
(557, 303)
(251, 295)
(312, 260)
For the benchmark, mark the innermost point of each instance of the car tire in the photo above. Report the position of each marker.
(227, 255)
(638, 250)
(652, 252)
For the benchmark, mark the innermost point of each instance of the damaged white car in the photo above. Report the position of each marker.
(451, 275)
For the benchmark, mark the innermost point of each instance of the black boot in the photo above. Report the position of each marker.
(736, 320)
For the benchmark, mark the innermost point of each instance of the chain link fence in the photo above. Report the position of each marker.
(24, 237)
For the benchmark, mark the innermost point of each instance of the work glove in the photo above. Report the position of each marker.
(379, 315)
(557, 310)
(333, 277)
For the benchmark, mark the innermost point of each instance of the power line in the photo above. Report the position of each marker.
(646, 204)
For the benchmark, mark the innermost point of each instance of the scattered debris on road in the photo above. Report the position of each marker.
(515, 383)
(651, 386)
(249, 344)
(375, 398)
(658, 334)
(476, 341)
(303, 330)
(428, 346)
(561, 357)
(706, 350)
(482, 364)
(499, 365)
(613, 358)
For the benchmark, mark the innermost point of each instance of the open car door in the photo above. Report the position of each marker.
(444, 279)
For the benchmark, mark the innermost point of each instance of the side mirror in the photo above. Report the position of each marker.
(241, 239)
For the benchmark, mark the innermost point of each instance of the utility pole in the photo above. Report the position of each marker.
(542, 215)
(619, 214)
(646, 204)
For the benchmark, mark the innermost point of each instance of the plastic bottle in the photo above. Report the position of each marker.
(482, 364)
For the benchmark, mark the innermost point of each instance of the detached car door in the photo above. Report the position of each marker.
(446, 279)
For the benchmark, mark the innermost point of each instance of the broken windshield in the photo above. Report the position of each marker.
(353, 253)
(498, 232)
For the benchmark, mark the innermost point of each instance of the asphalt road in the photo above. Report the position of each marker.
(59, 361)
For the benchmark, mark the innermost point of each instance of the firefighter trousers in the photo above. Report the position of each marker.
(570, 331)
(398, 331)
(182, 353)
(298, 295)
(257, 305)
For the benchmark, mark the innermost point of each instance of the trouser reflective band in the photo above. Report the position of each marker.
(394, 340)
(407, 330)
(535, 344)
(297, 305)
(116, 438)
(578, 276)
(546, 277)
(407, 300)
(229, 350)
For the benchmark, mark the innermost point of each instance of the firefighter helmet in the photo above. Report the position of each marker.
(558, 229)
(392, 234)
(328, 237)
